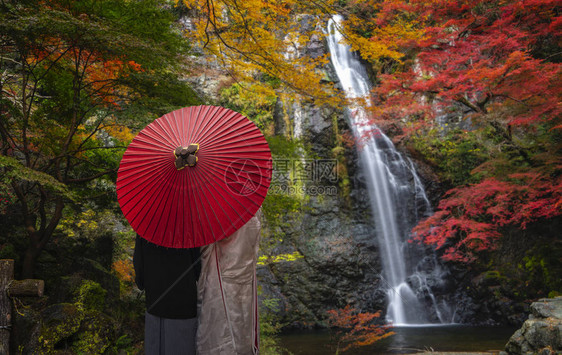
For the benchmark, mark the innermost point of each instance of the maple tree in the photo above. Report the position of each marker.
(263, 45)
(484, 56)
(381, 31)
(470, 218)
(358, 328)
(76, 77)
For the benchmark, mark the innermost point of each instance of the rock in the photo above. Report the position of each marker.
(92, 270)
(333, 231)
(315, 47)
(91, 296)
(340, 266)
(59, 322)
(547, 307)
(25, 330)
(94, 335)
(517, 273)
(75, 324)
(542, 332)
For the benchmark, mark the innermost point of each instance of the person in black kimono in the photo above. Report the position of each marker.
(168, 276)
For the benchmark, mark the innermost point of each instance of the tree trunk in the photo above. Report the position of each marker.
(6, 276)
(28, 266)
(39, 238)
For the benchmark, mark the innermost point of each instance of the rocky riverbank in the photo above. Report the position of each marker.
(542, 332)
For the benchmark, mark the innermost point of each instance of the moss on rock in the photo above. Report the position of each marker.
(60, 321)
(94, 335)
(80, 326)
(91, 296)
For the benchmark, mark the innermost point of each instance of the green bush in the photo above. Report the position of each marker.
(454, 155)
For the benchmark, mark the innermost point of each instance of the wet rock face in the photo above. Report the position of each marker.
(333, 231)
(542, 332)
(340, 266)
(340, 263)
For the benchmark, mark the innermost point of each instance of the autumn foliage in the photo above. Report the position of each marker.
(124, 269)
(76, 77)
(357, 328)
(470, 218)
(262, 44)
(488, 56)
(496, 63)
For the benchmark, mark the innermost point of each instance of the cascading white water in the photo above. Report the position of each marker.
(393, 187)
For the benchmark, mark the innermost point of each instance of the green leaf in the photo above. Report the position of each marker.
(14, 170)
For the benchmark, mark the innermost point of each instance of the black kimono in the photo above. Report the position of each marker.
(168, 277)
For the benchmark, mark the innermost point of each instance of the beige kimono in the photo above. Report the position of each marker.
(227, 294)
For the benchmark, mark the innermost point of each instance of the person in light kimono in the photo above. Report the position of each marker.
(227, 294)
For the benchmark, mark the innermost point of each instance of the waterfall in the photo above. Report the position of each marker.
(396, 194)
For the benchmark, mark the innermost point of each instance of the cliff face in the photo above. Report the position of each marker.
(332, 229)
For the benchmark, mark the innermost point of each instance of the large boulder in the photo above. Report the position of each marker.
(76, 326)
(542, 332)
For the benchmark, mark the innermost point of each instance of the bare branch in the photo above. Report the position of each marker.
(90, 178)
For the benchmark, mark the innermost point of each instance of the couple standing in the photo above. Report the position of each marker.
(206, 308)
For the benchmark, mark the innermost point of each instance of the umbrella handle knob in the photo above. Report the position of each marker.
(191, 160)
(186, 156)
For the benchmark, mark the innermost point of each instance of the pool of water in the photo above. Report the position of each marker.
(406, 340)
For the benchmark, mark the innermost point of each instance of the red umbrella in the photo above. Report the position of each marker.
(194, 176)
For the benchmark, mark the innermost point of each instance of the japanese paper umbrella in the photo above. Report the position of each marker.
(194, 176)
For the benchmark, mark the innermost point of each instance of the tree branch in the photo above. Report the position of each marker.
(463, 100)
(48, 232)
(90, 178)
